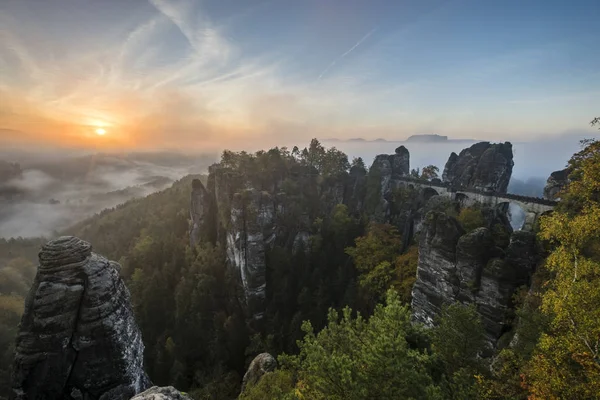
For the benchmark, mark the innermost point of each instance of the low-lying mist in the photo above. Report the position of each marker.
(45, 193)
(44, 198)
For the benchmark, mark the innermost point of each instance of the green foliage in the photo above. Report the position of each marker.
(15, 279)
(566, 360)
(276, 385)
(458, 338)
(457, 341)
(358, 162)
(355, 358)
(373, 195)
(471, 218)
(374, 256)
(501, 235)
(405, 273)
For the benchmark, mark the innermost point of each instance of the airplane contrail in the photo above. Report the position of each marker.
(365, 37)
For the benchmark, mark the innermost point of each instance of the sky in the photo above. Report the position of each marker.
(191, 74)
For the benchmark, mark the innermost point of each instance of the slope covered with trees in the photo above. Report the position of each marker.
(337, 308)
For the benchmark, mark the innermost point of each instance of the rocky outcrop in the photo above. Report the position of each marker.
(437, 282)
(383, 178)
(261, 364)
(555, 183)
(249, 210)
(251, 231)
(161, 393)
(199, 212)
(78, 338)
(470, 268)
(483, 166)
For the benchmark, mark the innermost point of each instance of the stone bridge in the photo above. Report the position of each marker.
(533, 207)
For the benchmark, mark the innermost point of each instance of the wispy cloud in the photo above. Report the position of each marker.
(350, 50)
(170, 75)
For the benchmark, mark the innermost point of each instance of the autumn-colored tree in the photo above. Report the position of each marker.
(430, 172)
(471, 218)
(566, 362)
(374, 256)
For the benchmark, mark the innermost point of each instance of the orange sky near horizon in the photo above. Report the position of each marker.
(164, 74)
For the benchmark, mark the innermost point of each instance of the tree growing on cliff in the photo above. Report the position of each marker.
(566, 363)
(430, 172)
(374, 256)
(354, 358)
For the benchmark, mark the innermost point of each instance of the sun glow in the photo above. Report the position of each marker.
(100, 131)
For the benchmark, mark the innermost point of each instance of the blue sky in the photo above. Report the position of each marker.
(185, 73)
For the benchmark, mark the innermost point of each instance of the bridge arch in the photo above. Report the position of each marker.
(462, 199)
(429, 192)
(516, 214)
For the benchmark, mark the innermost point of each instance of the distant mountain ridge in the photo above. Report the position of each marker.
(420, 138)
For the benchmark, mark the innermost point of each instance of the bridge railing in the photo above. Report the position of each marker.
(454, 188)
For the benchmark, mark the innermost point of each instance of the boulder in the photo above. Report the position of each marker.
(78, 338)
(261, 364)
(483, 166)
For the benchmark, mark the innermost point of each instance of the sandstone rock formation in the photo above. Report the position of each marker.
(199, 212)
(251, 230)
(555, 183)
(383, 174)
(483, 166)
(78, 338)
(470, 268)
(261, 364)
(249, 210)
(161, 393)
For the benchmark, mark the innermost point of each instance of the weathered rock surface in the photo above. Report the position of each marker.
(437, 282)
(383, 177)
(248, 211)
(261, 364)
(78, 338)
(555, 183)
(251, 231)
(483, 166)
(199, 212)
(161, 393)
(471, 269)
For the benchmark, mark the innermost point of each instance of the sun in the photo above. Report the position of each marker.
(100, 131)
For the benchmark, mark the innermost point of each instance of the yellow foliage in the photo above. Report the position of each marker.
(471, 219)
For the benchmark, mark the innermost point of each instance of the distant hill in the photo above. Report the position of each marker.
(427, 138)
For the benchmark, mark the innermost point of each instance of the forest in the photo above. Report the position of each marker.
(337, 311)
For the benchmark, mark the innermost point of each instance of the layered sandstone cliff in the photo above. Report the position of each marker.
(78, 338)
(470, 268)
(483, 166)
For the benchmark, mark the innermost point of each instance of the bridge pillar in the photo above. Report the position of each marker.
(530, 220)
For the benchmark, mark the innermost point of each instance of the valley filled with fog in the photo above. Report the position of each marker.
(39, 198)
(41, 194)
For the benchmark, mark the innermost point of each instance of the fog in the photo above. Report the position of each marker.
(48, 197)
(54, 191)
(532, 159)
